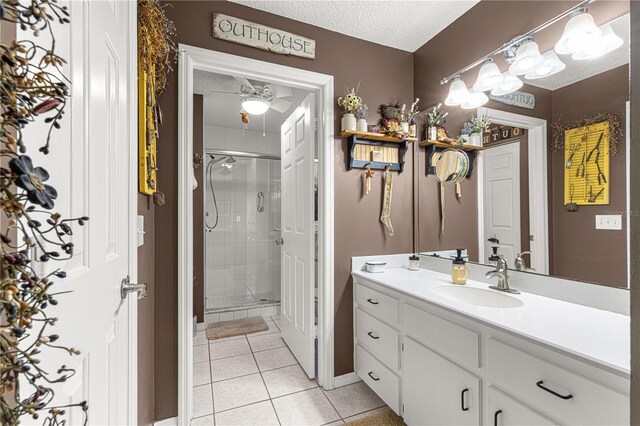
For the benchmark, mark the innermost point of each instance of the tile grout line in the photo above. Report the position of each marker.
(331, 403)
(265, 385)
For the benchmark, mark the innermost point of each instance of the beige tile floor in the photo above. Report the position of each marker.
(256, 380)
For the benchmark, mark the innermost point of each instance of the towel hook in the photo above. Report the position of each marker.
(387, 167)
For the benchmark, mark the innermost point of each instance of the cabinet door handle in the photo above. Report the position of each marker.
(552, 392)
(462, 399)
(495, 417)
(373, 302)
(373, 336)
(370, 373)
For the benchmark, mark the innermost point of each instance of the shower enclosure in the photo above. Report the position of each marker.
(242, 227)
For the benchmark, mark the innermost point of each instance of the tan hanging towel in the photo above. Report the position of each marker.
(385, 217)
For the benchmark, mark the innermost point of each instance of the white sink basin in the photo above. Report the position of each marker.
(477, 296)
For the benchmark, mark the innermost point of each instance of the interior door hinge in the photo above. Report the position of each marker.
(402, 346)
(315, 124)
(315, 227)
(402, 408)
(315, 331)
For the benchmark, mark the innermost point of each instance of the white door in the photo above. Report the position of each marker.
(438, 392)
(502, 200)
(298, 233)
(89, 165)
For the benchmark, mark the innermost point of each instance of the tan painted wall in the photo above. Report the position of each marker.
(385, 75)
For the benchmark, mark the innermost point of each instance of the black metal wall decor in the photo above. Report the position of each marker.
(32, 87)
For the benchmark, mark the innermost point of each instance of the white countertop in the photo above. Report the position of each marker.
(593, 334)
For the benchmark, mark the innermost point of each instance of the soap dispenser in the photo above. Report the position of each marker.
(459, 270)
(494, 257)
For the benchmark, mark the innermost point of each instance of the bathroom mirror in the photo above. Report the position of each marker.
(526, 193)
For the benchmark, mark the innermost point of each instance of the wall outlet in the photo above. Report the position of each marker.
(140, 230)
(610, 222)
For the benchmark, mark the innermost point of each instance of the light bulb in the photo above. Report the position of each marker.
(489, 77)
(608, 42)
(527, 59)
(458, 92)
(552, 65)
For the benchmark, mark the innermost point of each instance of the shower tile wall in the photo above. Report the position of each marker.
(242, 259)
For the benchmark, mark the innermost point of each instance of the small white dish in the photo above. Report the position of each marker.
(375, 266)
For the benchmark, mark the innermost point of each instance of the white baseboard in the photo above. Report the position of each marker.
(173, 421)
(345, 379)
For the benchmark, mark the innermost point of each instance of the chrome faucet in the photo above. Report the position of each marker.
(501, 272)
(519, 262)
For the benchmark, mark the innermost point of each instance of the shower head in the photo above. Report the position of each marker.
(228, 159)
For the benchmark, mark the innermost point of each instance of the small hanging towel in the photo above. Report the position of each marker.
(385, 217)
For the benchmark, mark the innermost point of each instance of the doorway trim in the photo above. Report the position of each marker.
(193, 58)
(538, 189)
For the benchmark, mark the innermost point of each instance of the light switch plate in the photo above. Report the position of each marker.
(140, 230)
(610, 222)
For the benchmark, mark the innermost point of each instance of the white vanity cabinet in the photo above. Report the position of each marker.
(435, 366)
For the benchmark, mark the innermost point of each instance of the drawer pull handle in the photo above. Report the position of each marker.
(462, 399)
(495, 417)
(373, 302)
(373, 336)
(370, 373)
(552, 392)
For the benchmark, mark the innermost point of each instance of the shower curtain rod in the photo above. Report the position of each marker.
(242, 154)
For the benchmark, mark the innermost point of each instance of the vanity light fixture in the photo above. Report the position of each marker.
(552, 65)
(458, 92)
(510, 84)
(607, 42)
(528, 58)
(489, 76)
(255, 105)
(475, 100)
(579, 33)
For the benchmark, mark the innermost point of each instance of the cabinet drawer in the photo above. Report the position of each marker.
(381, 339)
(554, 391)
(445, 337)
(379, 305)
(379, 378)
(504, 410)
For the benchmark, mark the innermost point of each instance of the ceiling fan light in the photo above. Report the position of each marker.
(475, 100)
(489, 77)
(608, 42)
(552, 65)
(255, 106)
(579, 33)
(509, 84)
(527, 59)
(458, 92)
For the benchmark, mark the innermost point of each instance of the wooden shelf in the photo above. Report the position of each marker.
(445, 145)
(376, 137)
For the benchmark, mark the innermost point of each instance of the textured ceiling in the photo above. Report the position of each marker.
(405, 25)
(580, 70)
(224, 110)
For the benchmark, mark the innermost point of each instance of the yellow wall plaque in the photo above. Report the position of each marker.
(586, 165)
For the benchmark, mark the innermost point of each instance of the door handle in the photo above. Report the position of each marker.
(373, 302)
(126, 287)
(373, 336)
(260, 201)
(495, 417)
(462, 399)
(370, 373)
(279, 242)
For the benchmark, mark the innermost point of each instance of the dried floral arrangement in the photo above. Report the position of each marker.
(160, 50)
(436, 117)
(476, 125)
(32, 87)
(408, 117)
(615, 131)
(350, 102)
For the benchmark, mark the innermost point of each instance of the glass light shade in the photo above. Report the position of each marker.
(578, 34)
(489, 77)
(475, 100)
(255, 106)
(608, 41)
(552, 65)
(458, 93)
(528, 58)
(509, 84)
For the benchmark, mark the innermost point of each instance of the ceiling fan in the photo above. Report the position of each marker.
(256, 99)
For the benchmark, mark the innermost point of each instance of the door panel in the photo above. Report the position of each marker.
(438, 392)
(298, 279)
(502, 199)
(89, 166)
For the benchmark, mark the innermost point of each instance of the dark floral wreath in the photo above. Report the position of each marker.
(30, 87)
(615, 132)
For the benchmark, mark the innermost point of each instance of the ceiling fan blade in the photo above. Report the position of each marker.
(280, 105)
(220, 92)
(244, 82)
(281, 91)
